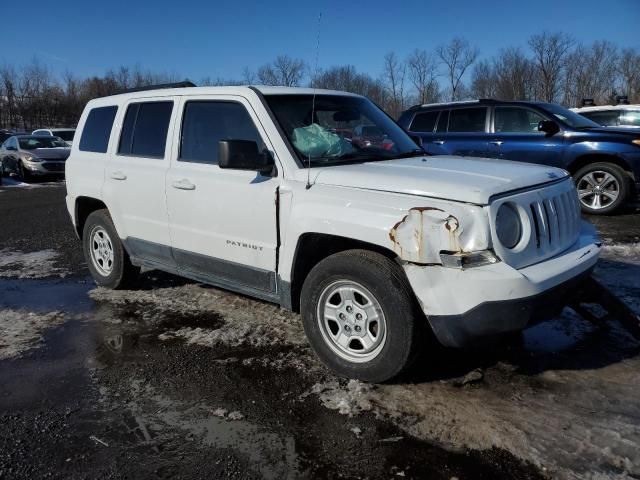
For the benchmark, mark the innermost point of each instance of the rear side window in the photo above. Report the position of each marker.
(424, 122)
(144, 131)
(205, 123)
(97, 129)
(607, 118)
(467, 120)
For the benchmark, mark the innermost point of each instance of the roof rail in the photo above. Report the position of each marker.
(161, 86)
(457, 102)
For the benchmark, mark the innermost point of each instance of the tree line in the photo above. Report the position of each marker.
(553, 67)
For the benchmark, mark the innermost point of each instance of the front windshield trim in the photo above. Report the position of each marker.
(304, 161)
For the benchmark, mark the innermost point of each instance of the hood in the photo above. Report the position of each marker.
(58, 153)
(463, 179)
(626, 131)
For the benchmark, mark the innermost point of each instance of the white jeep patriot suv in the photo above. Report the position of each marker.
(268, 192)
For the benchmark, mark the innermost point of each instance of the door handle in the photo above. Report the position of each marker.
(438, 142)
(496, 142)
(183, 184)
(118, 175)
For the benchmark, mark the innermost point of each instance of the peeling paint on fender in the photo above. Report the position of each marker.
(424, 232)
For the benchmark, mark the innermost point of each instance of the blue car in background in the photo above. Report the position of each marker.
(604, 162)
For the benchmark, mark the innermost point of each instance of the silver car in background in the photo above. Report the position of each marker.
(28, 156)
(65, 134)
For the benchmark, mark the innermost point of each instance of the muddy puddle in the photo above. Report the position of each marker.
(175, 378)
(109, 388)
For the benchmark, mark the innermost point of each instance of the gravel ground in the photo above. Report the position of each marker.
(179, 380)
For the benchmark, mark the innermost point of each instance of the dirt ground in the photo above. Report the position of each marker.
(176, 379)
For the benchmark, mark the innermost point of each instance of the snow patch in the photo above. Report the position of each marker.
(20, 330)
(40, 264)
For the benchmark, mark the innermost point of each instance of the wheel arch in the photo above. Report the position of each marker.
(587, 158)
(312, 248)
(83, 208)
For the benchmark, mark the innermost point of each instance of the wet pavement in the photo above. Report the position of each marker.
(180, 380)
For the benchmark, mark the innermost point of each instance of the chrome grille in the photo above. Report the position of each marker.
(551, 219)
(556, 220)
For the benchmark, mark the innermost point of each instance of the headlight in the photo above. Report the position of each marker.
(31, 158)
(508, 225)
(636, 141)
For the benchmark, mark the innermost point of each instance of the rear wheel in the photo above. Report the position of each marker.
(602, 187)
(104, 253)
(360, 316)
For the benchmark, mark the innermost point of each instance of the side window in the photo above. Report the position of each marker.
(443, 122)
(516, 120)
(467, 120)
(144, 131)
(607, 118)
(205, 123)
(97, 129)
(424, 122)
(630, 117)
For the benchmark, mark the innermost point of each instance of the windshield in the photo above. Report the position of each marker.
(31, 143)
(570, 118)
(343, 129)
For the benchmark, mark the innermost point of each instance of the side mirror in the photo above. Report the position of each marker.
(549, 127)
(243, 155)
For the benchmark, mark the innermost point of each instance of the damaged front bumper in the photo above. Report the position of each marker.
(464, 304)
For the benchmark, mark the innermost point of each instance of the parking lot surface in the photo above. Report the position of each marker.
(175, 379)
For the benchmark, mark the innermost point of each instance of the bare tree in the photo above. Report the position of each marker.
(457, 56)
(629, 71)
(513, 72)
(483, 80)
(394, 73)
(284, 70)
(346, 78)
(590, 72)
(549, 54)
(423, 72)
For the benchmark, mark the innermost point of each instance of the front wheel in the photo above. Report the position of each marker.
(23, 174)
(602, 188)
(104, 253)
(360, 316)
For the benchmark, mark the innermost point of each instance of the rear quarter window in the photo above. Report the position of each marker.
(97, 129)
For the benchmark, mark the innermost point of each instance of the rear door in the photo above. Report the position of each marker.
(222, 221)
(134, 187)
(461, 131)
(516, 137)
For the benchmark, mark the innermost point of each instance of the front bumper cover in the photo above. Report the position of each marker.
(465, 304)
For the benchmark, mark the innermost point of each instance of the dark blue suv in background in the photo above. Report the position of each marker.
(604, 162)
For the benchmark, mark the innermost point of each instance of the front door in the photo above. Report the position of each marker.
(222, 222)
(516, 137)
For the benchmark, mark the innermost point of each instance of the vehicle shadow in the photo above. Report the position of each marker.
(567, 342)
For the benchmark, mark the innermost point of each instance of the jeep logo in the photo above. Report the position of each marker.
(244, 245)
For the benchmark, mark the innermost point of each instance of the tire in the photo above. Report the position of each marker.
(390, 319)
(104, 253)
(23, 174)
(602, 188)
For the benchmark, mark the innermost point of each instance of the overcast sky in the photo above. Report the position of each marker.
(219, 38)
